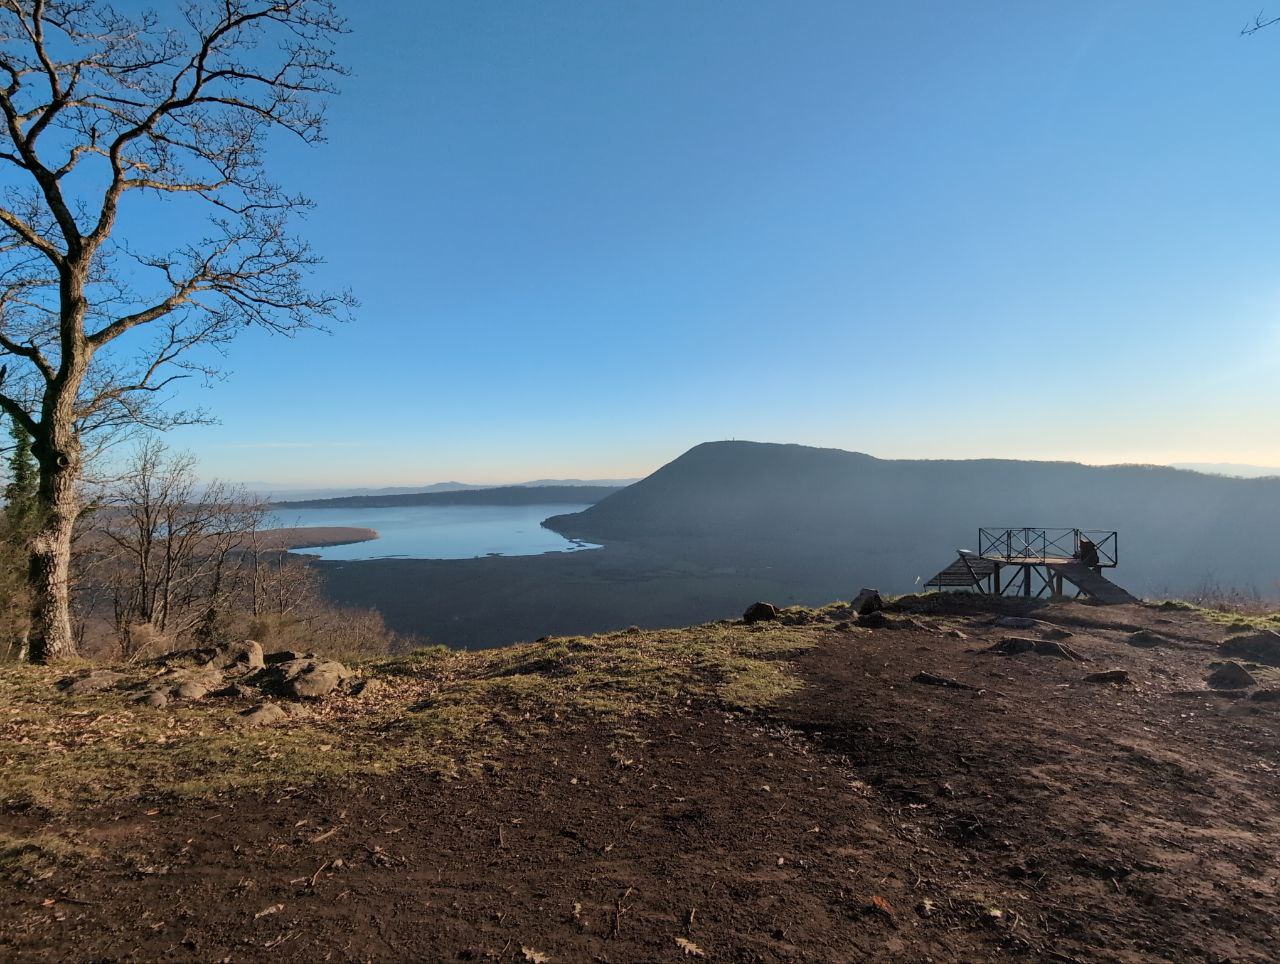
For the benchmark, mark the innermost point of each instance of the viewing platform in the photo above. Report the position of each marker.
(1035, 563)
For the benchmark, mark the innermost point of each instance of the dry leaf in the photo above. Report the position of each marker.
(882, 905)
(534, 957)
(690, 948)
(273, 909)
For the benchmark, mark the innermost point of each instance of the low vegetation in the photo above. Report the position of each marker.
(435, 708)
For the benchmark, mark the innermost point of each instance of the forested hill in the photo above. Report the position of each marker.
(503, 495)
(827, 518)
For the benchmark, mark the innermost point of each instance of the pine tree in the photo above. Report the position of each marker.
(18, 523)
(20, 495)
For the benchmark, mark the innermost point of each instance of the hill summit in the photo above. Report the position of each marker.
(827, 519)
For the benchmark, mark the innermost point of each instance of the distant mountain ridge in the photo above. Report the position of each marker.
(561, 495)
(285, 493)
(1234, 469)
(827, 519)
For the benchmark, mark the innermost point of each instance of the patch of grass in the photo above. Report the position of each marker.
(1236, 616)
(440, 709)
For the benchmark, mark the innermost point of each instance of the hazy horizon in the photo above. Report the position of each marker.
(1230, 469)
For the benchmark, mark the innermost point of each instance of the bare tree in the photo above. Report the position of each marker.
(175, 553)
(96, 108)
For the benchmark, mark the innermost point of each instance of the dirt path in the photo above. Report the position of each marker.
(867, 817)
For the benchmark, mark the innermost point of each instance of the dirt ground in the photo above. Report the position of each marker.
(866, 816)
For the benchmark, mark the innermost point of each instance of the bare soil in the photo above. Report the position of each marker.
(863, 817)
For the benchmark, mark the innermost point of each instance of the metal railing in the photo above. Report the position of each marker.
(1032, 544)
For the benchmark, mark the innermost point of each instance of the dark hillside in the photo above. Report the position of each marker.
(816, 516)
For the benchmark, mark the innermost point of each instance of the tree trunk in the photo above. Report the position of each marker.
(56, 446)
(49, 574)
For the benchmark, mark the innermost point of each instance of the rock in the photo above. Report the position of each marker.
(955, 634)
(1266, 696)
(264, 714)
(1261, 647)
(190, 690)
(867, 601)
(245, 656)
(1231, 676)
(1109, 676)
(94, 681)
(236, 691)
(929, 679)
(306, 678)
(364, 687)
(760, 612)
(156, 699)
(874, 620)
(1145, 639)
(282, 656)
(1015, 645)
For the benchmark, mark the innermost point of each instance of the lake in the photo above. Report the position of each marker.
(439, 531)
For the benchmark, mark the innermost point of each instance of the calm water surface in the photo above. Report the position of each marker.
(440, 531)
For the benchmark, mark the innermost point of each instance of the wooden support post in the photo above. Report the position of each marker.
(1026, 581)
(995, 580)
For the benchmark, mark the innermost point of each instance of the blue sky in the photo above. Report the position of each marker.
(589, 235)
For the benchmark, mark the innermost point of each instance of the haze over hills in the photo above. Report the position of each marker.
(284, 493)
(1233, 469)
(823, 518)
(561, 495)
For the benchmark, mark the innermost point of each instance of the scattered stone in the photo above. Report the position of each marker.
(955, 634)
(760, 612)
(94, 681)
(190, 690)
(156, 699)
(1231, 676)
(364, 687)
(246, 655)
(1260, 647)
(1118, 676)
(1145, 639)
(264, 714)
(307, 678)
(236, 691)
(243, 656)
(867, 601)
(929, 679)
(907, 623)
(283, 656)
(874, 620)
(1016, 644)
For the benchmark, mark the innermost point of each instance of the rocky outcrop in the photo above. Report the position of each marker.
(309, 677)
(92, 681)
(760, 612)
(867, 601)
(1231, 676)
(1260, 647)
(264, 714)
